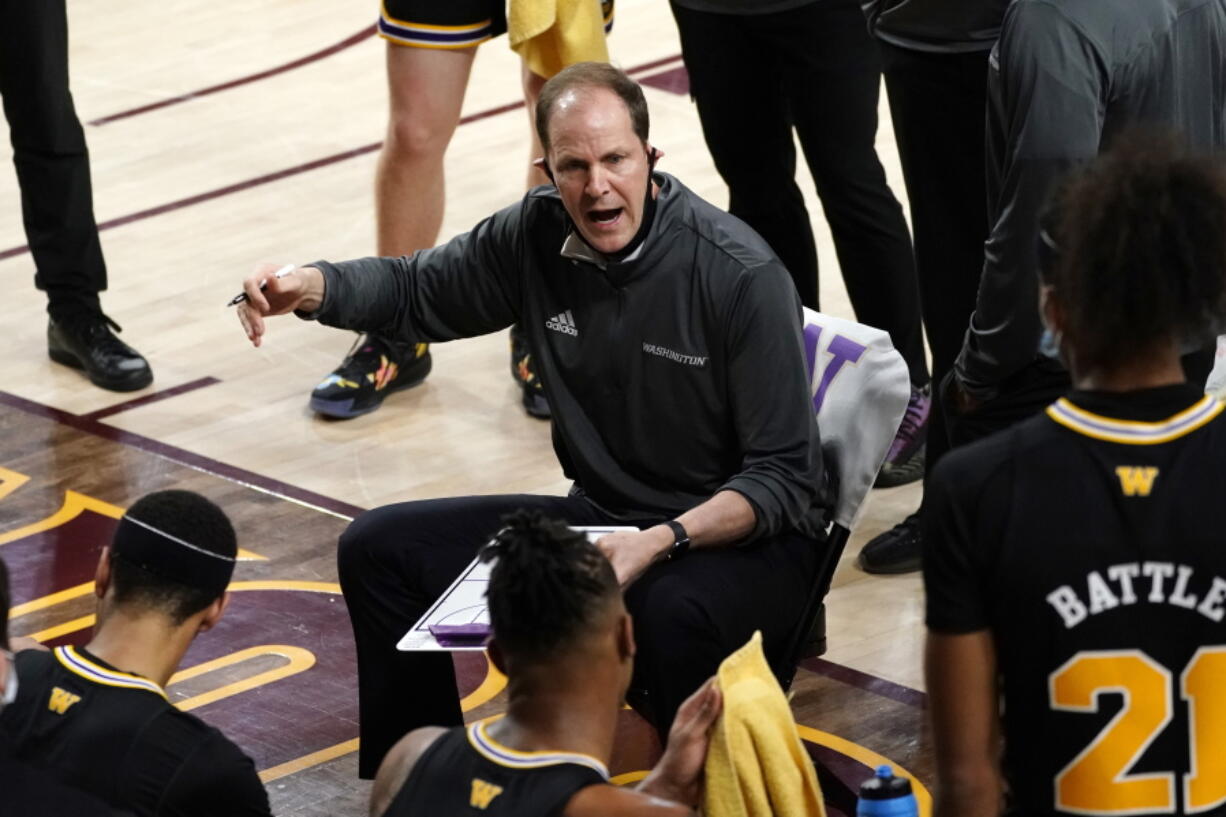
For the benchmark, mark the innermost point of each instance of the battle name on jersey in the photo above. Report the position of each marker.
(1144, 582)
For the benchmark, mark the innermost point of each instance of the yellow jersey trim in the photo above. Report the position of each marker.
(78, 664)
(391, 38)
(495, 752)
(1133, 432)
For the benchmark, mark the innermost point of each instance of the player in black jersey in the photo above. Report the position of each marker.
(25, 792)
(564, 639)
(1075, 571)
(97, 717)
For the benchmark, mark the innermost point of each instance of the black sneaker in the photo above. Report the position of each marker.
(373, 369)
(86, 342)
(524, 374)
(898, 550)
(905, 461)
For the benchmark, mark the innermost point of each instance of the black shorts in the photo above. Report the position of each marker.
(451, 23)
(441, 23)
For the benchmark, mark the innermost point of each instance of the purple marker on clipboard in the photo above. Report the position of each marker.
(460, 635)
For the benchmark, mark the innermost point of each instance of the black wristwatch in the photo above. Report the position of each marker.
(681, 540)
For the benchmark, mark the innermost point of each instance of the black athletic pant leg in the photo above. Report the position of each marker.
(50, 155)
(832, 69)
(394, 562)
(691, 613)
(938, 103)
(753, 78)
(736, 84)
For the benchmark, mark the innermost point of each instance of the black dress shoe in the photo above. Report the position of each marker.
(86, 342)
(898, 550)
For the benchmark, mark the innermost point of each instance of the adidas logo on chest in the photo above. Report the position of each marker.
(563, 322)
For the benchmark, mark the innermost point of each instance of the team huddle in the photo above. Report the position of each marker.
(1075, 585)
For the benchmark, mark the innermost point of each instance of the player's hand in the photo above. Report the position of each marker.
(268, 295)
(957, 398)
(678, 775)
(632, 552)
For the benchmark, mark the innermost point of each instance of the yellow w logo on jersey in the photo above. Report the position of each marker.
(1136, 480)
(483, 793)
(61, 700)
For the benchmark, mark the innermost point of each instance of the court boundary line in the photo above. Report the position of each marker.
(351, 40)
(295, 170)
(865, 681)
(181, 456)
(153, 397)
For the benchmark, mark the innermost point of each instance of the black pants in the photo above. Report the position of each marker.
(689, 614)
(1023, 395)
(50, 154)
(815, 68)
(938, 103)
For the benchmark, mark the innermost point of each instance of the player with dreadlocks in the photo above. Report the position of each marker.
(564, 639)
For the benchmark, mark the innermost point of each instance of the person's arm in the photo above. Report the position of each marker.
(468, 286)
(724, 519)
(398, 764)
(611, 801)
(960, 660)
(771, 406)
(962, 700)
(771, 409)
(674, 786)
(678, 774)
(1045, 117)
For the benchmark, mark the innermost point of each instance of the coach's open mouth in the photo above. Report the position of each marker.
(604, 218)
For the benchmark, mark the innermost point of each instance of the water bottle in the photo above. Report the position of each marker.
(886, 796)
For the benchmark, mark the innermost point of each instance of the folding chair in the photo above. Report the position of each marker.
(860, 388)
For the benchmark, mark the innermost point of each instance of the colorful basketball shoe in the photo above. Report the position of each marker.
(373, 369)
(905, 461)
(524, 373)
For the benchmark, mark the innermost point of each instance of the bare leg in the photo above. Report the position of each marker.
(426, 93)
(532, 91)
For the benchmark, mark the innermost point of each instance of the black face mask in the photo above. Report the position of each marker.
(649, 215)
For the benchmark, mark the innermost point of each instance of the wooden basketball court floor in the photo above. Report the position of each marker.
(227, 134)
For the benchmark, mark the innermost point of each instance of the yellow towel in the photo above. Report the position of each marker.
(552, 34)
(756, 766)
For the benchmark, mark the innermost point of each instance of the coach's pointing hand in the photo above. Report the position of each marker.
(267, 295)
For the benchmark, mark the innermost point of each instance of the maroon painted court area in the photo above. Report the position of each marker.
(868, 683)
(180, 455)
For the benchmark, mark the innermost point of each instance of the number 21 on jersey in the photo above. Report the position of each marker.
(1097, 780)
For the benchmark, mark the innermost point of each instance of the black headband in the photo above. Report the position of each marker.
(170, 557)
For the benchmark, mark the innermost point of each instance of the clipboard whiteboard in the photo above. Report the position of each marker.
(464, 602)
